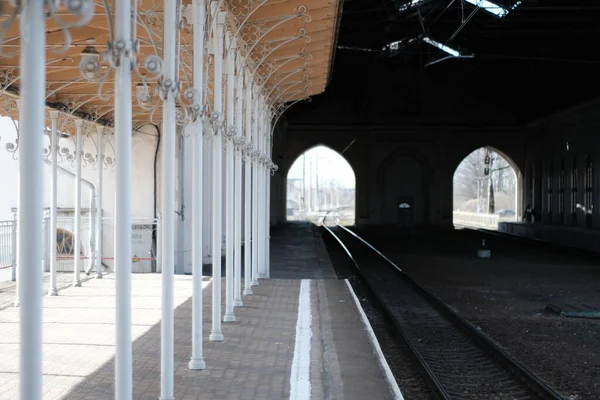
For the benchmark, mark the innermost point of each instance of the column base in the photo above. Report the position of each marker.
(166, 398)
(262, 276)
(76, 284)
(229, 318)
(53, 292)
(254, 283)
(247, 292)
(197, 364)
(216, 337)
(238, 303)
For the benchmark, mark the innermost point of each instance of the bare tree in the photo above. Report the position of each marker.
(484, 187)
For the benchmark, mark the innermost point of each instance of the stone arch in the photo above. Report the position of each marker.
(464, 154)
(332, 194)
(421, 187)
(298, 152)
(518, 206)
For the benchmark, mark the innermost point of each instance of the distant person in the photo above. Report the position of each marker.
(528, 215)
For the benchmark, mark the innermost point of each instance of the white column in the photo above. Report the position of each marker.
(17, 302)
(52, 291)
(216, 334)
(268, 205)
(77, 247)
(197, 359)
(100, 164)
(248, 194)
(169, 132)
(261, 194)
(229, 184)
(123, 150)
(255, 174)
(31, 125)
(237, 295)
(207, 197)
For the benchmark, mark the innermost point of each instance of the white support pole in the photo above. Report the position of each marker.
(237, 295)
(31, 125)
(100, 143)
(255, 175)
(207, 204)
(52, 290)
(229, 184)
(268, 206)
(261, 194)
(77, 247)
(169, 132)
(248, 194)
(216, 334)
(17, 302)
(123, 150)
(197, 360)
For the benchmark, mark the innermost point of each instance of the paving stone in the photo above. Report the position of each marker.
(253, 362)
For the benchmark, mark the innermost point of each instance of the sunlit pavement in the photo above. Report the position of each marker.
(79, 331)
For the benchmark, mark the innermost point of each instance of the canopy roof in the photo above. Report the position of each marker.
(287, 45)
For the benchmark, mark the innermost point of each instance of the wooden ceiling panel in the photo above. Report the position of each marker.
(66, 86)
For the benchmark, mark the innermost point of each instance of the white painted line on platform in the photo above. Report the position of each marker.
(300, 376)
(382, 361)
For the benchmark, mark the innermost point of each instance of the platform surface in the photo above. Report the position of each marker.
(253, 362)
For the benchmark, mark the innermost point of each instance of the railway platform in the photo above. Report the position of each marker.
(300, 333)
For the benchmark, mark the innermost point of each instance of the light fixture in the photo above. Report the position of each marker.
(142, 92)
(443, 47)
(492, 8)
(90, 64)
(409, 5)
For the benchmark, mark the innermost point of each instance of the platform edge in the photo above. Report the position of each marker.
(389, 376)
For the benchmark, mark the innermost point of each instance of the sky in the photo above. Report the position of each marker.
(332, 168)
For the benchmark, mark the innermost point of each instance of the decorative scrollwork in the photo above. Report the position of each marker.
(83, 10)
(217, 122)
(239, 142)
(230, 132)
(12, 148)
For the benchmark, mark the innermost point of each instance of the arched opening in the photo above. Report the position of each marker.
(404, 180)
(319, 182)
(486, 190)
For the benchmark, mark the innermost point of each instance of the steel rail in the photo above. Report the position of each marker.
(512, 366)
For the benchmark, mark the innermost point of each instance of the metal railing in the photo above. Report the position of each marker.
(145, 240)
(475, 220)
(8, 253)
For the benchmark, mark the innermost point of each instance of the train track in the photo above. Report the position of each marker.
(456, 358)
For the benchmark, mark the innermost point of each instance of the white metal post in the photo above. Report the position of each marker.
(31, 124)
(229, 184)
(77, 247)
(207, 204)
(123, 150)
(255, 174)
(216, 334)
(237, 295)
(248, 194)
(100, 144)
(268, 204)
(168, 199)
(261, 194)
(17, 302)
(197, 359)
(52, 291)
